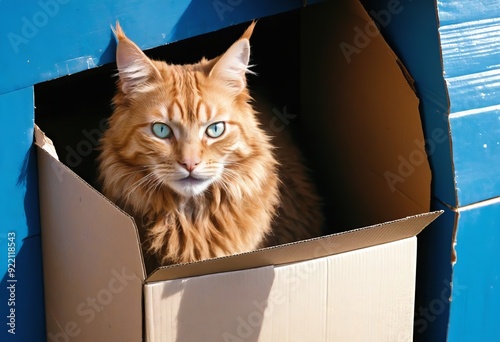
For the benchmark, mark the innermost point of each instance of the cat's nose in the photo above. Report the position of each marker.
(189, 164)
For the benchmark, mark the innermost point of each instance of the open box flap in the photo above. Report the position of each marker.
(358, 101)
(303, 250)
(102, 264)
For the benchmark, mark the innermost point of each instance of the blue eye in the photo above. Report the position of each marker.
(215, 130)
(162, 130)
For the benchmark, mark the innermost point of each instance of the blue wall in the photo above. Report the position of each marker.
(453, 57)
(21, 287)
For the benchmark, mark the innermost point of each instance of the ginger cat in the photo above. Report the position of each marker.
(186, 156)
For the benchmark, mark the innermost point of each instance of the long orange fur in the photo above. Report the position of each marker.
(247, 205)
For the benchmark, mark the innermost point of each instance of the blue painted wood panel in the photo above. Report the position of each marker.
(453, 11)
(470, 43)
(476, 154)
(21, 288)
(471, 52)
(475, 304)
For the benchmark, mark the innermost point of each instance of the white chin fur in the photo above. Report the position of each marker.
(189, 189)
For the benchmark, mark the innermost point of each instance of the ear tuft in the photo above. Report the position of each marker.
(135, 69)
(248, 32)
(232, 66)
(118, 31)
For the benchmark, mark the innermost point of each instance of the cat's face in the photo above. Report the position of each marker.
(184, 137)
(190, 155)
(185, 127)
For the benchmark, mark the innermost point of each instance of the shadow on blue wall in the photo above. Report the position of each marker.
(22, 309)
(418, 46)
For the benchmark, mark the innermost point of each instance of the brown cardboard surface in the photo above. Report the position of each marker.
(174, 306)
(362, 295)
(93, 269)
(379, 296)
(356, 100)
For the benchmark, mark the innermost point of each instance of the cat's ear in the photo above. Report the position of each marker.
(231, 67)
(135, 69)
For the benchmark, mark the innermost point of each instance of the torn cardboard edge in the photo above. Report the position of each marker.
(277, 255)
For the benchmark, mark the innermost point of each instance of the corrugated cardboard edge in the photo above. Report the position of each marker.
(302, 250)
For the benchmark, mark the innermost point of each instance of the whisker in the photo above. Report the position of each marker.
(227, 179)
(140, 182)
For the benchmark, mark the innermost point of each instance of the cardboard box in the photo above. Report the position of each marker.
(322, 289)
(352, 286)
